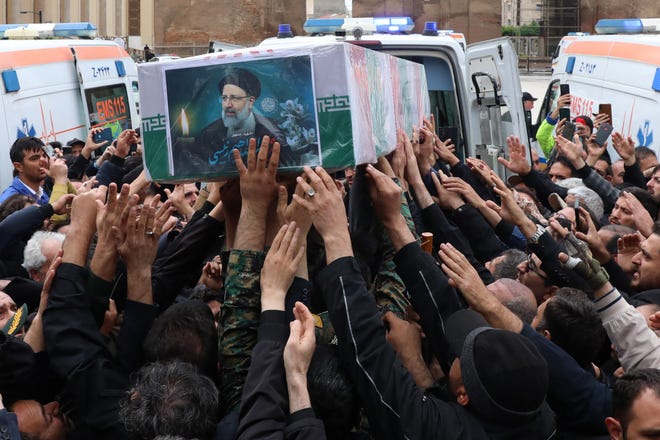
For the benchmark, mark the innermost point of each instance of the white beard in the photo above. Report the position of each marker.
(235, 121)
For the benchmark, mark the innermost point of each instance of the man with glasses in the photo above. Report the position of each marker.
(238, 91)
(531, 275)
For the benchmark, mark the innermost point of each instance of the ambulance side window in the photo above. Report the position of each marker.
(443, 99)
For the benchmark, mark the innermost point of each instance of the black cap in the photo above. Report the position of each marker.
(74, 141)
(505, 376)
(528, 97)
(243, 79)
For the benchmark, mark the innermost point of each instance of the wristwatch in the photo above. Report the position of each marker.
(534, 239)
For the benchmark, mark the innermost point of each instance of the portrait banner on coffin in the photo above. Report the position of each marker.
(215, 109)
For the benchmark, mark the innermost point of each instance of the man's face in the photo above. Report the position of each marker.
(643, 419)
(190, 192)
(540, 313)
(582, 130)
(42, 421)
(648, 162)
(653, 186)
(76, 149)
(528, 105)
(621, 213)
(49, 248)
(7, 308)
(618, 171)
(559, 172)
(236, 105)
(531, 275)
(647, 265)
(601, 168)
(32, 169)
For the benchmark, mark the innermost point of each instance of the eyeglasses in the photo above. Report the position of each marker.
(232, 98)
(531, 265)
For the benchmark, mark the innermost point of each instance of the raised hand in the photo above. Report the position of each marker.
(572, 150)
(324, 202)
(463, 276)
(480, 168)
(293, 212)
(280, 265)
(385, 196)
(592, 238)
(446, 199)
(625, 147)
(509, 210)
(125, 139)
(257, 177)
(297, 356)
(517, 162)
(302, 341)
(642, 218)
(212, 274)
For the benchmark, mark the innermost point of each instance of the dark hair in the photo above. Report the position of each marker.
(628, 388)
(645, 199)
(643, 153)
(21, 145)
(617, 231)
(14, 203)
(333, 395)
(567, 163)
(184, 331)
(170, 399)
(574, 325)
(508, 268)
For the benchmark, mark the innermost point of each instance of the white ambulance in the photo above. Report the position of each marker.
(56, 89)
(619, 66)
(474, 91)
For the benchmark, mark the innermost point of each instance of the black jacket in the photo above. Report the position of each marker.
(265, 404)
(396, 407)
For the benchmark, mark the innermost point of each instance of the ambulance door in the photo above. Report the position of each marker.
(106, 90)
(495, 99)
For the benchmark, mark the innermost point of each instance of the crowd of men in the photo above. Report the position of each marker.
(418, 297)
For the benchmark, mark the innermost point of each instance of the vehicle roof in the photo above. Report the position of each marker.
(385, 39)
(639, 47)
(13, 45)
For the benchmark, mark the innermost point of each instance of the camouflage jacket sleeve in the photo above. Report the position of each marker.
(238, 323)
(388, 289)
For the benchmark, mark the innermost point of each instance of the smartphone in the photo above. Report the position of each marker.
(565, 113)
(569, 131)
(576, 208)
(607, 109)
(564, 89)
(50, 152)
(604, 132)
(104, 135)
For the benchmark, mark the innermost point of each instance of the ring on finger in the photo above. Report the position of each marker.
(149, 232)
(311, 193)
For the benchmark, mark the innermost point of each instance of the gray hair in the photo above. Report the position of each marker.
(33, 257)
(170, 399)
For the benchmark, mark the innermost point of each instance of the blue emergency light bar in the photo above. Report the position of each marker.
(393, 24)
(628, 26)
(83, 29)
(383, 24)
(619, 26)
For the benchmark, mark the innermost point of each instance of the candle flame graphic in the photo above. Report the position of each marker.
(185, 129)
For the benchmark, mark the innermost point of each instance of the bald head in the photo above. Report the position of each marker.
(516, 297)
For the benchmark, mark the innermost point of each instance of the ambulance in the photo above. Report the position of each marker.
(474, 90)
(619, 66)
(57, 88)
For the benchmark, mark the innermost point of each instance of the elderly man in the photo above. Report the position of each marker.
(238, 91)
